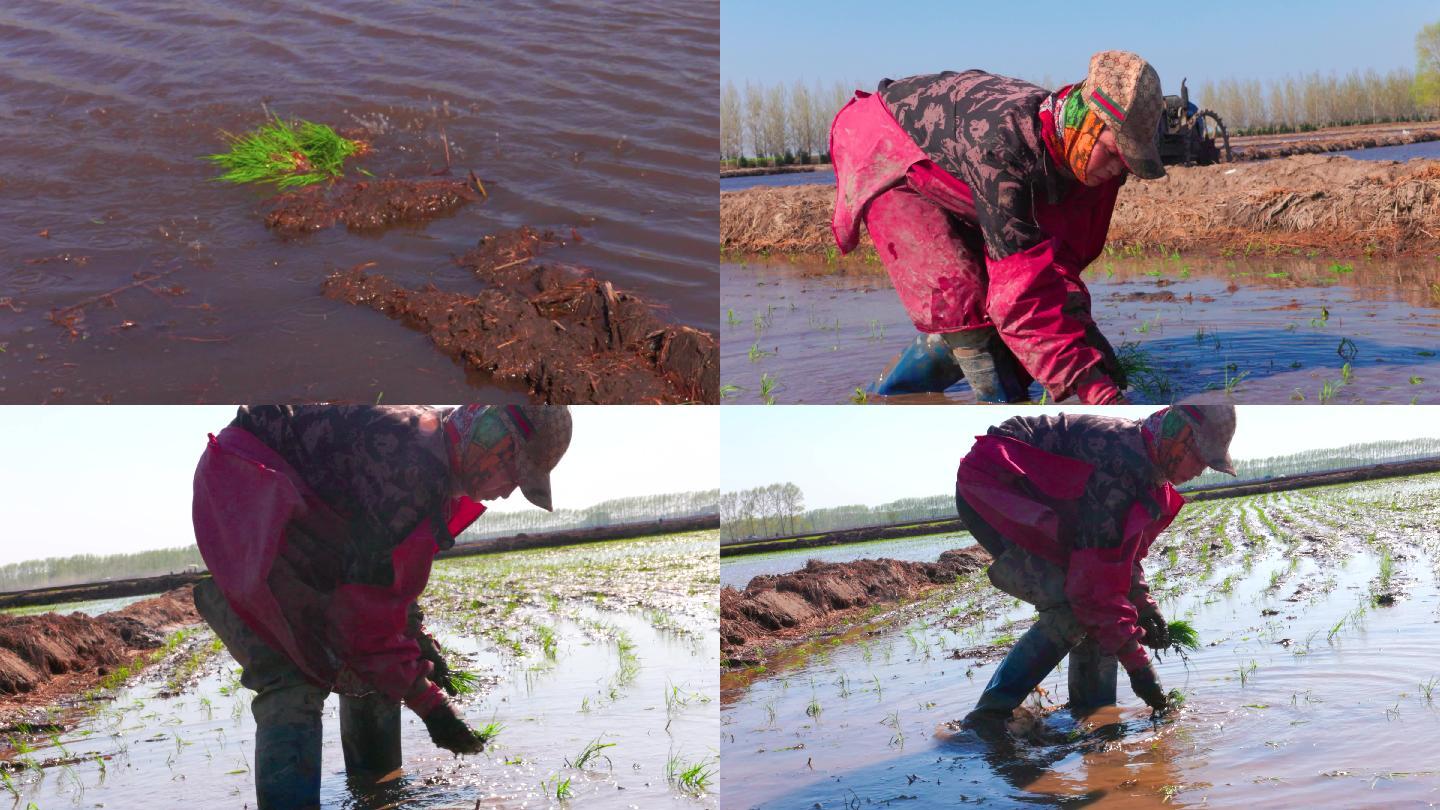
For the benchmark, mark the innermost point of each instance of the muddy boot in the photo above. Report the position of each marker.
(926, 366)
(287, 765)
(994, 373)
(369, 736)
(1033, 657)
(1092, 678)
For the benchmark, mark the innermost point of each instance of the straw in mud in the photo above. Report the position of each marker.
(286, 154)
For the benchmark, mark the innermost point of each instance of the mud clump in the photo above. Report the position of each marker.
(1333, 205)
(554, 330)
(369, 205)
(821, 595)
(34, 650)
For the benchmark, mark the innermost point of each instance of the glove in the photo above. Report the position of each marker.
(430, 651)
(448, 731)
(1095, 338)
(1146, 684)
(1157, 633)
(1098, 389)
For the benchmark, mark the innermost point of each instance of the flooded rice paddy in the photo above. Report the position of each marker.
(1314, 685)
(1269, 329)
(107, 212)
(613, 642)
(736, 572)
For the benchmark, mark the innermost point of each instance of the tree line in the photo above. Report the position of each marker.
(53, 572)
(777, 510)
(614, 512)
(81, 568)
(783, 123)
(1335, 458)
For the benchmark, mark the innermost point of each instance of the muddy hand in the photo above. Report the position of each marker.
(1111, 363)
(1146, 684)
(430, 651)
(448, 731)
(1157, 633)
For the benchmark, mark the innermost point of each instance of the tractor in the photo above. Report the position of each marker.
(1189, 135)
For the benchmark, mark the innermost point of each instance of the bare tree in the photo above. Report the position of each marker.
(776, 122)
(754, 117)
(732, 128)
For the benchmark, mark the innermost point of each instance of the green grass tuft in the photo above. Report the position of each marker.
(286, 154)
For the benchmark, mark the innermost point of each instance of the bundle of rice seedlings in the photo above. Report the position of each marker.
(1183, 636)
(286, 154)
(458, 681)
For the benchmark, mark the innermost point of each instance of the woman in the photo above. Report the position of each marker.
(986, 197)
(1068, 506)
(319, 525)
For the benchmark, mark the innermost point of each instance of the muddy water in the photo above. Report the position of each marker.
(94, 607)
(1283, 327)
(600, 119)
(198, 746)
(738, 571)
(1307, 691)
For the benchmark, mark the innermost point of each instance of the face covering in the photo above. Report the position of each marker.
(1074, 129)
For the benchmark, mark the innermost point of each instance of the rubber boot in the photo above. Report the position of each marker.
(370, 736)
(926, 366)
(994, 373)
(287, 765)
(1033, 657)
(1092, 677)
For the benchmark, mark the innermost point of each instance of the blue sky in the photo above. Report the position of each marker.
(841, 454)
(99, 480)
(865, 41)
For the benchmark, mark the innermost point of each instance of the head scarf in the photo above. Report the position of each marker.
(1072, 128)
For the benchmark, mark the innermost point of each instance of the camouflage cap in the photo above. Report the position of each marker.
(523, 442)
(1124, 90)
(1213, 426)
(544, 431)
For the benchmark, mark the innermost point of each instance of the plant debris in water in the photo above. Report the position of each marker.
(286, 154)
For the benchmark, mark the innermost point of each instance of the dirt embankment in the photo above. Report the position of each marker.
(45, 656)
(786, 607)
(552, 330)
(589, 535)
(1333, 205)
(1333, 139)
(843, 536)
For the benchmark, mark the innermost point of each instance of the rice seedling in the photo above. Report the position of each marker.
(488, 732)
(458, 681)
(286, 154)
(813, 709)
(557, 787)
(691, 778)
(592, 753)
(1183, 639)
(767, 389)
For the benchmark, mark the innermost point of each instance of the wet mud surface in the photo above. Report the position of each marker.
(178, 291)
(46, 655)
(370, 205)
(553, 331)
(1313, 686)
(1271, 329)
(612, 641)
(774, 608)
